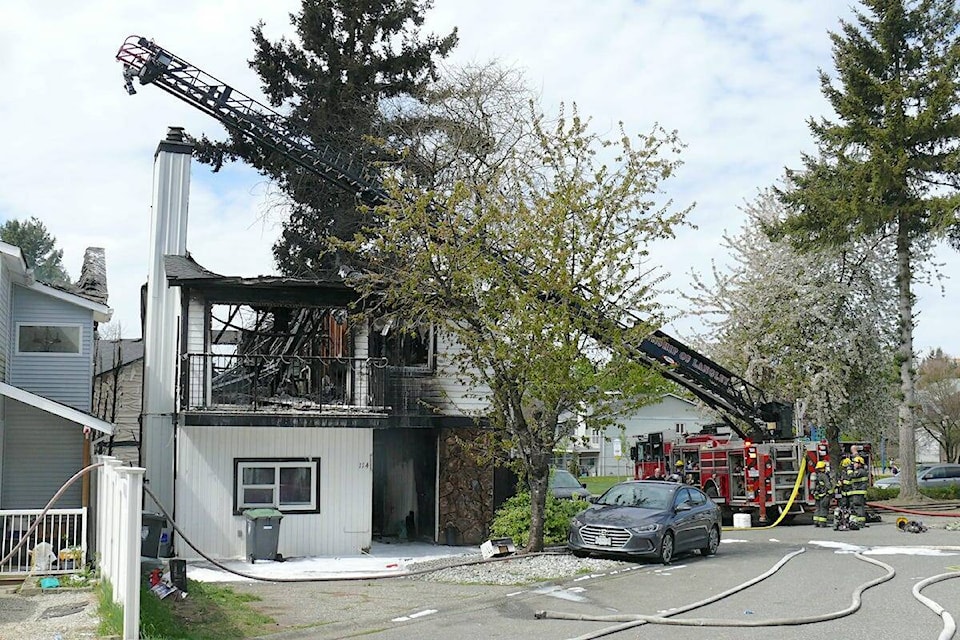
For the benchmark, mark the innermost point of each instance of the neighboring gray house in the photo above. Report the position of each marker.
(46, 365)
(117, 395)
(608, 453)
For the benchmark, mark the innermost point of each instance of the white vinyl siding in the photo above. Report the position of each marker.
(199, 369)
(65, 378)
(448, 391)
(48, 452)
(206, 488)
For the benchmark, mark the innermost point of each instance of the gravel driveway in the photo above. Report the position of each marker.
(71, 614)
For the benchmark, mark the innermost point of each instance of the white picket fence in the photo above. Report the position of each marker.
(119, 507)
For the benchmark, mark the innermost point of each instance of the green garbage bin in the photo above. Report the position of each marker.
(263, 533)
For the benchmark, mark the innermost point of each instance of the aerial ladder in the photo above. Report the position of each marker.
(742, 406)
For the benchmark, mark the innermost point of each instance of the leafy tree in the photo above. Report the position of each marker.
(524, 249)
(816, 327)
(349, 57)
(888, 166)
(39, 249)
(938, 392)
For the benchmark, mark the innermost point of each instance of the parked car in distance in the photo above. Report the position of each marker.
(929, 476)
(939, 475)
(888, 482)
(647, 518)
(564, 485)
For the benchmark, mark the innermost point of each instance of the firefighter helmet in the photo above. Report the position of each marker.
(679, 463)
(845, 462)
(858, 460)
(821, 465)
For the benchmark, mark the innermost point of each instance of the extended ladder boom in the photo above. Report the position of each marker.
(151, 64)
(144, 60)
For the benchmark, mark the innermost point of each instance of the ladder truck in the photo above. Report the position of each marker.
(744, 408)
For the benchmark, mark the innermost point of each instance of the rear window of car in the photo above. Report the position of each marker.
(560, 479)
(953, 472)
(635, 494)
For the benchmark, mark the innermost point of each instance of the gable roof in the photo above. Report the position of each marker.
(116, 353)
(13, 258)
(54, 407)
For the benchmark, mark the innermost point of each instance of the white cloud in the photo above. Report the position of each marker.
(738, 82)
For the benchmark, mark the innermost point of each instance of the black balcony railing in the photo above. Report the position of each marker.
(259, 381)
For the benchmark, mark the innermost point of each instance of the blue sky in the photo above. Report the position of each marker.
(737, 84)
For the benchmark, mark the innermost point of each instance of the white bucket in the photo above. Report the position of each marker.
(741, 521)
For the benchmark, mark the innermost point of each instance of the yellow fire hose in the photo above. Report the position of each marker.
(785, 510)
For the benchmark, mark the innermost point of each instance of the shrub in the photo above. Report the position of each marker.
(513, 519)
(950, 492)
(881, 493)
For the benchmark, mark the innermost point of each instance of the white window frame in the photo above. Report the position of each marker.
(276, 463)
(66, 325)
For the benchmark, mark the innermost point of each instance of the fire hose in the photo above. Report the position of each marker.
(786, 509)
(913, 512)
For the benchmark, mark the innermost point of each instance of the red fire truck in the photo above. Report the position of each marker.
(740, 475)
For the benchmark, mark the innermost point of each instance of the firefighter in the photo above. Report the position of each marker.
(857, 480)
(823, 490)
(848, 458)
(677, 475)
(843, 498)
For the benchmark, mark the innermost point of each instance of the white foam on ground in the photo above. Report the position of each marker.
(383, 559)
(845, 547)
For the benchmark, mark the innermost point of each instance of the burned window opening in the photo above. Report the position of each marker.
(401, 346)
(287, 357)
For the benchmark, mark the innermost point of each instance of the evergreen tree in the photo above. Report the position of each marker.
(350, 58)
(888, 167)
(39, 249)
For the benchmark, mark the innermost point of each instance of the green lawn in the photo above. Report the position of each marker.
(210, 612)
(599, 484)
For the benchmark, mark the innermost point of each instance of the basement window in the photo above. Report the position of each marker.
(49, 338)
(290, 485)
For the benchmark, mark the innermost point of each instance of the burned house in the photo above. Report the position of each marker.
(270, 392)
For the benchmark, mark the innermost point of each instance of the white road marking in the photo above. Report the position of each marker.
(845, 547)
(418, 614)
(562, 594)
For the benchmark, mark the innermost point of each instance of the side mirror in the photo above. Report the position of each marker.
(583, 484)
(683, 506)
(592, 499)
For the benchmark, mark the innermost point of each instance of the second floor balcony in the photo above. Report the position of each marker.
(266, 382)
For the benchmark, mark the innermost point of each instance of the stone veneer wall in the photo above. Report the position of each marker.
(466, 491)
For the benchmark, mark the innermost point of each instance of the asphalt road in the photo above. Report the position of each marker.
(818, 581)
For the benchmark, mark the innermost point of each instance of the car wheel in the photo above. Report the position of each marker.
(666, 548)
(713, 542)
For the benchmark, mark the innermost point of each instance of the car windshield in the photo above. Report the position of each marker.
(560, 479)
(648, 496)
